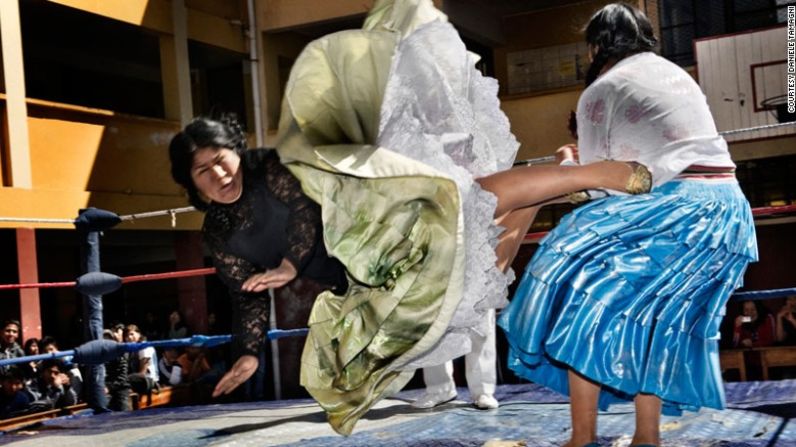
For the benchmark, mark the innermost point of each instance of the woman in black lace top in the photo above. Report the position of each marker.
(261, 230)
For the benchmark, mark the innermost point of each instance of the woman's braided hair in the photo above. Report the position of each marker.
(617, 30)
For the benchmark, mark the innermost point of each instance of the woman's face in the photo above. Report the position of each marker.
(133, 336)
(750, 310)
(217, 175)
(33, 349)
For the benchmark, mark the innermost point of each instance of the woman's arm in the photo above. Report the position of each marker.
(249, 310)
(143, 364)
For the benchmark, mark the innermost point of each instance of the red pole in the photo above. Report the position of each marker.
(27, 265)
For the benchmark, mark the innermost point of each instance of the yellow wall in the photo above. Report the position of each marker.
(87, 157)
(753, 150)
(208, 22)
(540, 122)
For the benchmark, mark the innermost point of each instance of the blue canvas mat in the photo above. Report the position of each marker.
(758, 414)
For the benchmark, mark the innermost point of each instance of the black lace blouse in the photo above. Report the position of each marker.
(272, 220)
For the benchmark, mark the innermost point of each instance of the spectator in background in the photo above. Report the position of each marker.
(9, 348)
(15, 399)
(177, 328)
(30, 370)
(212, 324)
(48, 345)
(151, 329)
(755, 326)
(54, 386)
(143, 364)
(786, 322)
(116, 371)
(194, 364)
(169, 368)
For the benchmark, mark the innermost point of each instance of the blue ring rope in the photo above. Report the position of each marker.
(215, 340)
(196, 340)
(764, 294)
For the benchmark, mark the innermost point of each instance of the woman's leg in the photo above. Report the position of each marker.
(516, 224)
(583, 395)
(531, 185)
(648, 420)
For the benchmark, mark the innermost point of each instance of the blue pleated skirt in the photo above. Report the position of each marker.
(629, 291)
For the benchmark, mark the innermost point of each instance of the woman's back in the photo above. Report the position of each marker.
(647, 109)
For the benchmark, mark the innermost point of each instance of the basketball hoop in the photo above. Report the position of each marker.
(778, 106)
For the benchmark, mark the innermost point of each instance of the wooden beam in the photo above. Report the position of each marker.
(16, 111)
(181, 67)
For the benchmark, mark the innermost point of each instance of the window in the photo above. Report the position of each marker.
(682, 21)
(79, 58)
(768, 181)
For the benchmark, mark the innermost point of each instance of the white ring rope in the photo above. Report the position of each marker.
(170, 212)
(127, 217)
(756, 128)
(36, 220)
(552, 158)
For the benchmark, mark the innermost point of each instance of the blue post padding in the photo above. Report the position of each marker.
(764, 294)
(97, 352)
(94, 219)
(98, 283)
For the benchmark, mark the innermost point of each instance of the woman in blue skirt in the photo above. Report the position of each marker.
(623, 300)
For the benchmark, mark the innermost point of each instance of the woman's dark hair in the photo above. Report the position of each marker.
(617, 30)
(762, 314)
(134, 328)
(30, 342)
(202, 132)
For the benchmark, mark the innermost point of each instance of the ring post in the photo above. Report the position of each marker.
(89, 223)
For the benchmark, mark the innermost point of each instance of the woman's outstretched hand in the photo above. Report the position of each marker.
(240, 372)
(271, 279)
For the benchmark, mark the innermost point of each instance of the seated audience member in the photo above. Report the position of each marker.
(116, 381)
(48, 345)
(31, 369)
(9, 348)
(786, 322)
(755, 326)
(54, 385)
(15, 398)
(194, 364)
(169, 367)
(143, 364)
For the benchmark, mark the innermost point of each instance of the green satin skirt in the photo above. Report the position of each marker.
(395, 223)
